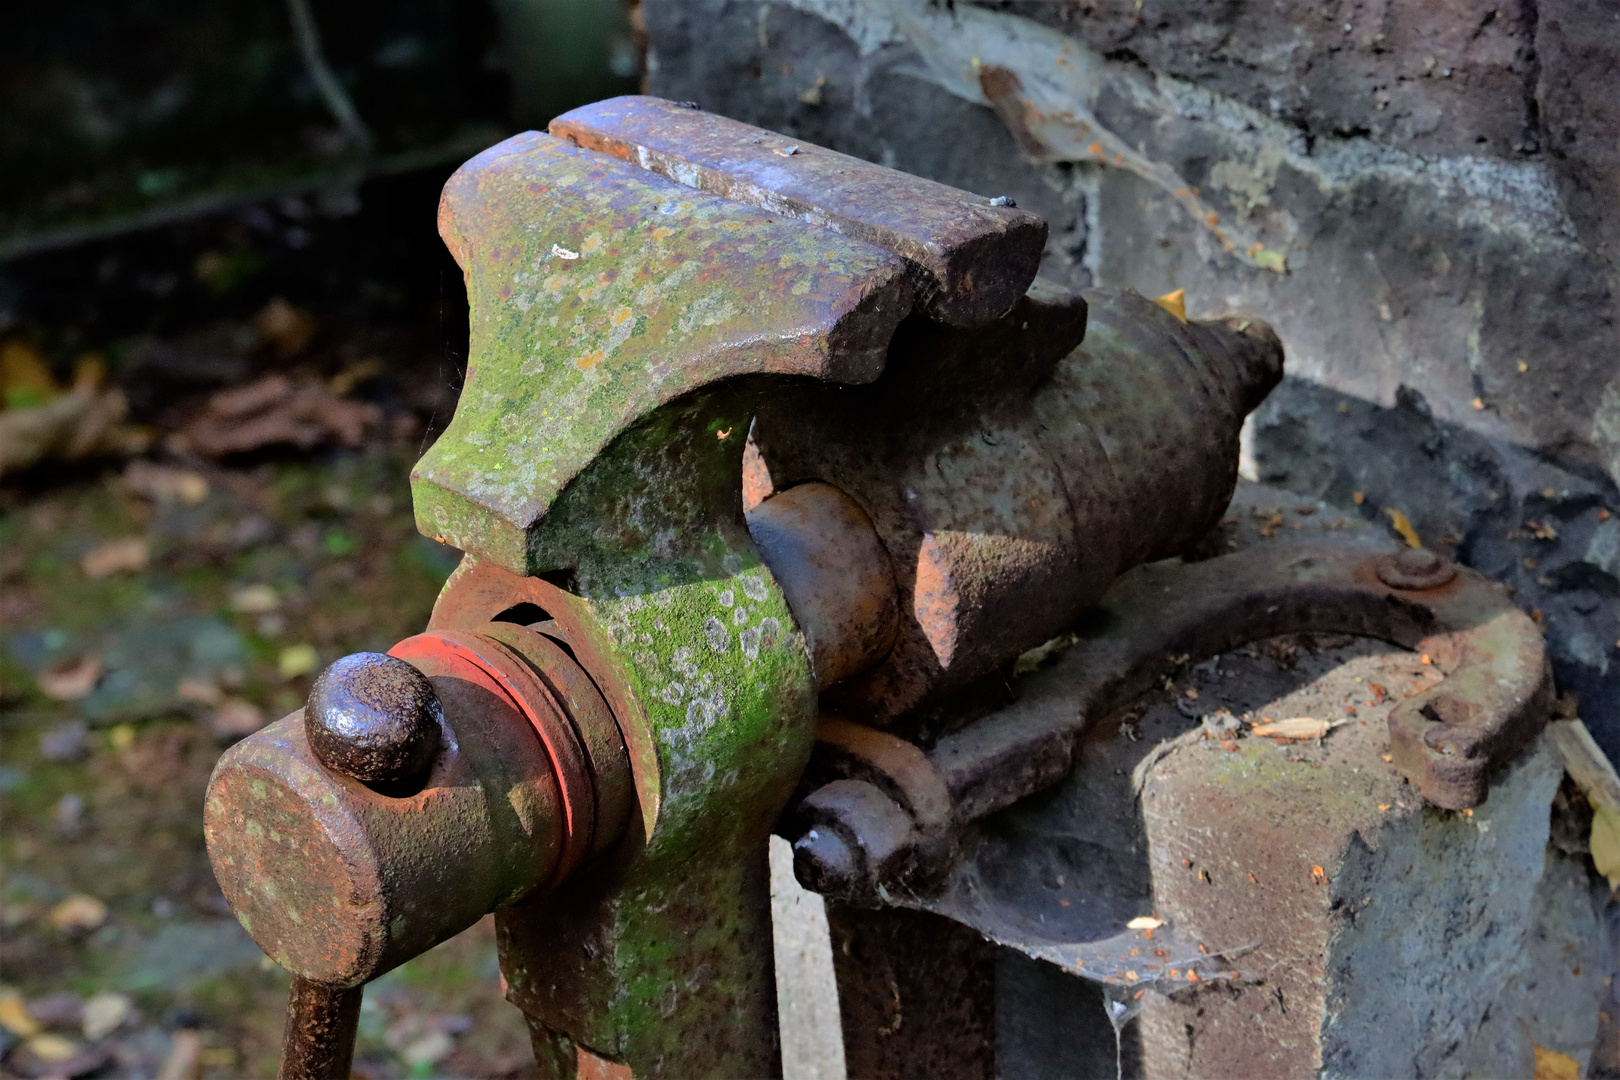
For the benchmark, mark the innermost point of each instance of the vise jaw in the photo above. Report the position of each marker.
(751, 429)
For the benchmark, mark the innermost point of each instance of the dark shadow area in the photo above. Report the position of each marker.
(1549, 531)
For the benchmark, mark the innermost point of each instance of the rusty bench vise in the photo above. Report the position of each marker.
(757, 440)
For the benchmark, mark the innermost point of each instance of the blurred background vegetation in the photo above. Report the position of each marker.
(227, 330)
(121, 113)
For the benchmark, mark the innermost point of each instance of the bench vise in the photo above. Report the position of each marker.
(757, 440)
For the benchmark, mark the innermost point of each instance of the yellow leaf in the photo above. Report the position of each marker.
(78, 913)
(24, 377)
(1551, 1065)
(1605, 843)
(296, 660)
(14, 1015)
(1145, 922)
(1401, 524)
(52, 1048)
(1175, 303)
(1267, 259)
(1295, 727)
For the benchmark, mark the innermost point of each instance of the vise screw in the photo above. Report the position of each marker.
(757, 439)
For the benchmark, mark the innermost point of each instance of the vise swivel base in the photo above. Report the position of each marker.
(764, 453)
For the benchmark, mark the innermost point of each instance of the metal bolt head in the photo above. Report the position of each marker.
(374, 717)
(824, 863)
(1416, 568)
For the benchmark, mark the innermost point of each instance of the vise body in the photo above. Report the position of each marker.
(766, 460)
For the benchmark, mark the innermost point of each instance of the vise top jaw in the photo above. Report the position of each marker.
(600, 292)
(974, 256)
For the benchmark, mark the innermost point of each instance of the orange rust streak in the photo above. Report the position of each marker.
(502, 686)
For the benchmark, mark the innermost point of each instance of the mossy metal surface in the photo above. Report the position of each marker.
(599, 292)
(623, 332)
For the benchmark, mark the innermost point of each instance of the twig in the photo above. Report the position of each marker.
(326, 81)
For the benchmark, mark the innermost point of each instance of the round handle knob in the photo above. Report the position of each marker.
(374, 717)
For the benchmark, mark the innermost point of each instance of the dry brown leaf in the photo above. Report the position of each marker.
(84, 423)
(130, 553)
(1294, 727)
(161, 483)
(286, 327)
(276, 411)
(185, 1058)
(199, 690)
(78, 913)
(71, 679)
(1552, 1065)
(236, 718)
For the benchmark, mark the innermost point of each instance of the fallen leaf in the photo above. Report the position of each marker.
(236, 718)
(1175, 303)
(78, 913)
(296, 660)
(1403, 525)
(161, 483)
(185, 1058)
(286, 327)
(1318, 875)
(199, 691)
(1541, 530)
(1552, 1065)
(71, 679)
(87, 422)
(25, 378)
(276, 411)
(105, 1013)
(52, 1048)
(1294, 727)
(14, 1015)
(1266, 259)
(129, 554)
(353, 375)
(255, 600)
(1145, 922)
(1605, 843)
